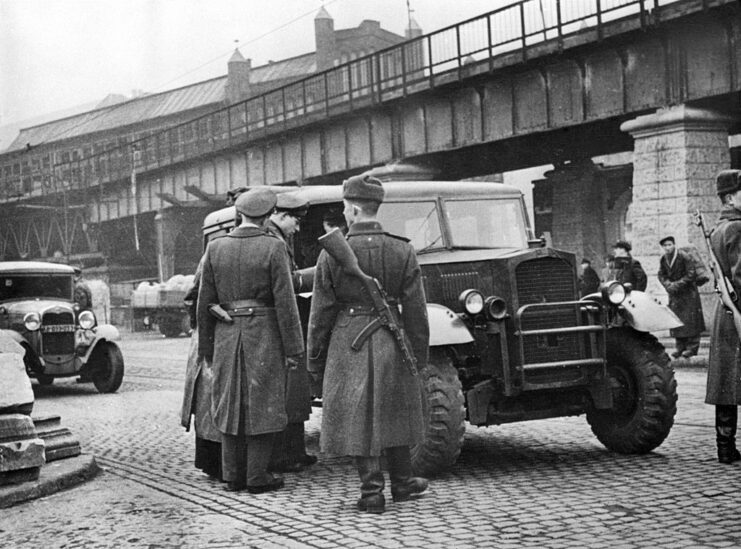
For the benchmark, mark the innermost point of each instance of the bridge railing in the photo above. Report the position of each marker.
(424, 62)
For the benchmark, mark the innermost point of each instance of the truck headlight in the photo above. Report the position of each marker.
(614, 292)
(496, 308)
(86, 320)
(32, 321)
(472, 301)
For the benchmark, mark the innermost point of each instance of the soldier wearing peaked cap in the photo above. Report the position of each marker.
(371, 402)
(724, 369)
(289, 453)
(249, 340)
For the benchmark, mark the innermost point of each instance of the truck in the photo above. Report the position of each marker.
(161, 305)
(510, 338)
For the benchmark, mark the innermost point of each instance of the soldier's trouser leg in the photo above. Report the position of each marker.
(403, 485)
(259, 448)
(692, 344)
(208, 457)
(371, 484)
(296, 444)
(234, 458)
(726, 418)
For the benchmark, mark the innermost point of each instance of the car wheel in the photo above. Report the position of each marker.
(444, 417)
(107, 367)
(644, 394)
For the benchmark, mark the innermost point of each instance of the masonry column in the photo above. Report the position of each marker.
(168, 226)
(678, 151)
(576, 221)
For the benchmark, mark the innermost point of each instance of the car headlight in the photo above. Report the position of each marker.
(32, 321)
(496, 308)
(472, 301)
(614, 292)
(86, 320)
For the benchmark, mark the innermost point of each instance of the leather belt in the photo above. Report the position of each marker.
(363, 309)
(247, 307)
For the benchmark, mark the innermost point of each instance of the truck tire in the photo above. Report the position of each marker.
(170, 327)
(444, 417)
(107, 367)
(644, 394)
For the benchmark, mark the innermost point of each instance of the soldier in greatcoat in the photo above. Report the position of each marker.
(626, 269)
(371, 402)
(289, 451)
(677, 274)
(724, 368)
(258, 335)
(197, 395)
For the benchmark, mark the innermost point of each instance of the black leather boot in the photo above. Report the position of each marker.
(371, 485)
(403, 485)
(296, 443)
(726, 418)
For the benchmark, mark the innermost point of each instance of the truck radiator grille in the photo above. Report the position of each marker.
(547, 280)
(61, 343)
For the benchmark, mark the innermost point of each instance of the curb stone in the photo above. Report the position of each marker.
(54, 477)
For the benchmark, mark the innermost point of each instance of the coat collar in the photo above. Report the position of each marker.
(730, 213)
(246, 232)
(274, 228)
(365, 227)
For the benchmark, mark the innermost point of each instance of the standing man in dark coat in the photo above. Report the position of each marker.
(626, 269)
(289, 451)
(677, 274)
(247, 274)
(724, 369)
(589, 280)
(372, 403)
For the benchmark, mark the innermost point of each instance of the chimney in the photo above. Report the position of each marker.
(238, 78)
(325, 40)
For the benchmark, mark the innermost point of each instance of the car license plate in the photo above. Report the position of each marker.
(56, 328)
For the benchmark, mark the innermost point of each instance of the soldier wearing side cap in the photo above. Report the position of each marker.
(289, 453)
(724, 369)
(249, 330)
(371, 401)
(678, 275)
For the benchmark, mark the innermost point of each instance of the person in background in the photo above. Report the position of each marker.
(83, 297)
(628, 270)
(289, 452)
(724, 367)
(677, 274)
(371, 401)
(588, 280)
(334, 219)
(249, 329)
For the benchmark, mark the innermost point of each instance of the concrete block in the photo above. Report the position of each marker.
(21, 454)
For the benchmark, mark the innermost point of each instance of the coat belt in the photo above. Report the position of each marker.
(247, 307)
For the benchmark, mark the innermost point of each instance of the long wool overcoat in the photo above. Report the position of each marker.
(370, 400)
(724, 373)
(248, 264)
(677, 274)
(298, 389)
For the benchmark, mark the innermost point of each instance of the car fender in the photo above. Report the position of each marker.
(103, 332)
(643, 313)
(446, 327)
(15, 336)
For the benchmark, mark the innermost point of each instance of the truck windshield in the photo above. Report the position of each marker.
(33, 287)
(486, 223)
(417, 221)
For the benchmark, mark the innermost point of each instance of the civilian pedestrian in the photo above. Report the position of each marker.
(588, 280)
(626, 269)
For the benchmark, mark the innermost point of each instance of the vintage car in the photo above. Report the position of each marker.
(510, 338)
(37, 310)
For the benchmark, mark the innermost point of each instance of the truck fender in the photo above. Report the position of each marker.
(29, 353)
(446, 327)
(642, 312)
(107, 331)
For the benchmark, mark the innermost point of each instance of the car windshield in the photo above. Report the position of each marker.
(32, 287)
(487, 223)
(417, 221)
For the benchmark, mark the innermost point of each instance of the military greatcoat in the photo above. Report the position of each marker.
(724, 373)
(370, 399)
(248, 264)
(677, 274)
(298, 389)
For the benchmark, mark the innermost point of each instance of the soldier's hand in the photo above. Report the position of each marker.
(296, 361)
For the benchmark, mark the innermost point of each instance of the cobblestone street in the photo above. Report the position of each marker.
(539, 484)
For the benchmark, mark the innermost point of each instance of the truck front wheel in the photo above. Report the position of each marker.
(107, 367)
(444, 416)
(170, 326)
(644, 394)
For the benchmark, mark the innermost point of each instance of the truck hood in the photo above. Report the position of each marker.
(23, 306)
